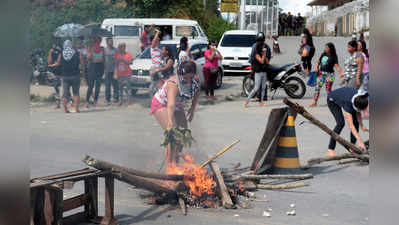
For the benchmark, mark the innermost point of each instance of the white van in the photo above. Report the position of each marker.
(129, 30)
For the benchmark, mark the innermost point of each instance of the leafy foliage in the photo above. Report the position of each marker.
(216, 27)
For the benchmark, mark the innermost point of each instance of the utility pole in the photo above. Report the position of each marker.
(242, 15)
(204, 3)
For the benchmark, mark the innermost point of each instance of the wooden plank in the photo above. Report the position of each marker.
(269, 145)
(33, 198)
(66, 174)
(223, 192)
(58, 206)
(40, 183)
(75, 202)
(48, 208)
(109, 218)
(276, 118)
(107, 166)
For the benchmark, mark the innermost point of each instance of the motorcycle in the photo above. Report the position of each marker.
(279, 77)
(41, 74)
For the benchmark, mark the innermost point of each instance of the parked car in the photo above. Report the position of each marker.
(236, 46)
(128, 30)
(141, 65)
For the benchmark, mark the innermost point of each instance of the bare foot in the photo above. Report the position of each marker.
(261, 104)
(314, 104)
(119, 103)
(67, 111)
(57, 106)
(246, 104)
(96, 104)
(87, 105)
(331, 153)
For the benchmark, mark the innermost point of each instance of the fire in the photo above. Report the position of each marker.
(196, 178)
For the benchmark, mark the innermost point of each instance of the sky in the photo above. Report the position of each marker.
(295, 6)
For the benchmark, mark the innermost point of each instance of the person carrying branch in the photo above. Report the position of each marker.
(354, 104)
(168, 109)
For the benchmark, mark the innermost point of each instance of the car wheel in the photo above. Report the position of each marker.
(219, 79)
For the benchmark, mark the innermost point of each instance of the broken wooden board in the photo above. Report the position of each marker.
(264, 156)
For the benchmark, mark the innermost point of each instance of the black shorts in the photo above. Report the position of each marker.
(67, 84)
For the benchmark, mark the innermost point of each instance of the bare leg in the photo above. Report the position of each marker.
(76, 103)
(161, 115)
(64, 105)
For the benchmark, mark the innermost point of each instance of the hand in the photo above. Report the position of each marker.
(364, 129)
(362, 146)
(357, 82)
(317, 71)
(342, 74)
(170, 125)
(190, 115)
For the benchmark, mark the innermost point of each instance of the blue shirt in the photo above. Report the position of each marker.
(343, 97)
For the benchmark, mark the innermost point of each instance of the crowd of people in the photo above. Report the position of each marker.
(173, 89)
(289, 24)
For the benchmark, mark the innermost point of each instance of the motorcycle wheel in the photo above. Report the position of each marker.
(294, 87)
(219, 80)
(247, 85)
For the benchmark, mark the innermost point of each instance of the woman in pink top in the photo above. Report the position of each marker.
(210, 70)
(362, 47)
(168, 105)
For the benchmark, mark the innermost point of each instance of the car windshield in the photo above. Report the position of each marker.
(146, 54)
(238, 40)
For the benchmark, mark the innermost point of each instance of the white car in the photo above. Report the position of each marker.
(235, 47)
(142, 63)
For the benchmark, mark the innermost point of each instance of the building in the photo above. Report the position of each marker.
(338, 17)
(260, 15)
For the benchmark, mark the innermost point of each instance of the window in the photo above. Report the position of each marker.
(127, 31)
(238, 40)
(187, 31)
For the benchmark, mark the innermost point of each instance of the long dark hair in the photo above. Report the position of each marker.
(353, 44)
(170, 51)
(361, 102)
(183, 45)
(333, 52)
(309, 37)
(364, 48)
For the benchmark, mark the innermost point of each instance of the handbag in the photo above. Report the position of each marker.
(312, 79)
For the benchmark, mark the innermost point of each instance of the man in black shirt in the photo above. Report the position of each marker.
(299, 23)
(53, 54)
(289, 23)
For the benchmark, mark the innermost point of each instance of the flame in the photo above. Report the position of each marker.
(196, 178)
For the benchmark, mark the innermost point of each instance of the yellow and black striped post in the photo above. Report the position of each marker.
(287, 156)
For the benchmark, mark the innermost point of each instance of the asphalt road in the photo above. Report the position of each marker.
(130, 136)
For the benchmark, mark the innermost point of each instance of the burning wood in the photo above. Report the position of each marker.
(103, 165)
(223, 193)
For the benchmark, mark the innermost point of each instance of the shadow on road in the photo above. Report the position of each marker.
(151, 214)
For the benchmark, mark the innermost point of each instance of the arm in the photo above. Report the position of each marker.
(220, 57)
(349, 120)
(340, 71)
(56, 63)
(82, 65)
(304, 52)
(155, 38)
(50, 57)
(317, 67)
(171, 107)
(261, 59)
(210, 56)
(360, 120)
(167, 66)
(360, 63)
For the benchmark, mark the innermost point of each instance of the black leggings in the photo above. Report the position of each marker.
(96, 71)
(339, 118)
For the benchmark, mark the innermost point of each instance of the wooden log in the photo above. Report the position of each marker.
(280, 186)
(219, 153)
(75, 202)
(277, 176)
(301, 110)
(311, 162)
(227, 203)
(274, 124)
(144, 183)
(103, 165)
